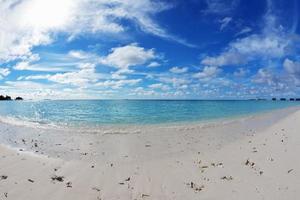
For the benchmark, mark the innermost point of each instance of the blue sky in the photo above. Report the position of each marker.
(175, 49)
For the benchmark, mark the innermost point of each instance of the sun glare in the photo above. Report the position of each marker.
(47, 14)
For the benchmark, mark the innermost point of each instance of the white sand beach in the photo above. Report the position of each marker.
(253, 157)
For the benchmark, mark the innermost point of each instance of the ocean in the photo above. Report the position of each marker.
(131, 112)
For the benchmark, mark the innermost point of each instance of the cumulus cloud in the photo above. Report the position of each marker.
(117, 84)
(84, 75)
(288, 80)
(87, 74)
(159, 86)
(128, 56)
(154, 64)
(208, 73)
(273, 42)
(4, 71)
(175, 81)
(178, 70)
(34, 90)
(241, 72)
(247, 49)
(292, 67)
(266, 76)
(226, 58)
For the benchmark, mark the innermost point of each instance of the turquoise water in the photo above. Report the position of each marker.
(111, 112)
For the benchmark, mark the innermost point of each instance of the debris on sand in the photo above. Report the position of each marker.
(145, 195)
(69, 184)
(261, 172)
(195, 187)
(5, 194)
(249, 163)
(128, 179)
(96, 189)
(227, 178)
(3, 177)
(30, 180)
(290, 171)
(57, 178)
(217, 164)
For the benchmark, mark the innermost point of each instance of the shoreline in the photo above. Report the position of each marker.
(249, 158)
(21, 131)
(219, 120)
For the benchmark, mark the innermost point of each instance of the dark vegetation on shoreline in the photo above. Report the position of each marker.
(8, 98)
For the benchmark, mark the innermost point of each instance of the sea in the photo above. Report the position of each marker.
(132, 112)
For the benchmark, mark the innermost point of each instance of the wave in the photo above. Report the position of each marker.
(27, 122)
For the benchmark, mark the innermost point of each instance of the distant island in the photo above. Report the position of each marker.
(8, 98)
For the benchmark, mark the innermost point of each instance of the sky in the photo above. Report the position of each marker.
(149, 49)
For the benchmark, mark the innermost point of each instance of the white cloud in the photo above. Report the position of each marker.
(241, 72)
(220, 7)
(79, 54)
(128, 56)
(87, 74)
(26, 24)
(225, 22)
(118, 76)
(178, 70)
(34, 90)
(154, 64)
(84, 75)
(26, 84)
(140, 91)
(244, 31)
(117, 84)
(208, 73)
(266, 76)
(159, 86)
(292, 67)
(176, 82)
(4, 72)
(273, 42)
(250, 48)
(24, 65)
(255, 45)
(227, 58)
(293, 70)
(34, 77)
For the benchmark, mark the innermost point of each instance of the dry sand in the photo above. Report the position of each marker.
(252, 157)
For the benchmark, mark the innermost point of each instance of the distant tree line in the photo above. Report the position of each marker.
(8, 98)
